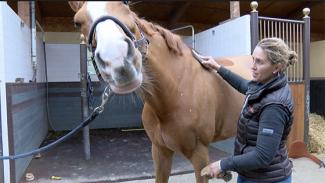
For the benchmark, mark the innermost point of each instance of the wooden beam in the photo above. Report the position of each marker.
(297, 13)
(38, 12)
(59, 24)
(234, 9)
(177, 14)
(317, 37)
(24, 11)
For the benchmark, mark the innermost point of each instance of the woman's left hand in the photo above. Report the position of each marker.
(209, 62)
(213, 170)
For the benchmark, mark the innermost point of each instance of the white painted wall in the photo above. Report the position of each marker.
(317, 61)
(4, 10)
(17, 47)
(16, 37)
(15, 62)
(231, 38)
(63, 62)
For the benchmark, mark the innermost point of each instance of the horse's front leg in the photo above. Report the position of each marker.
(199, 159)
(163, 158)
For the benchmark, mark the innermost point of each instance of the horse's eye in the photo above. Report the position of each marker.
(77, 25)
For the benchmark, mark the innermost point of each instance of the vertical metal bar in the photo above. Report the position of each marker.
(286, 41)
(276, 29)
(306, 75)
(297, 51)
(264, 28)
(254, 29)
(283, 31)
(294, 49)
(260, 29)
(301, 54)
(84, 97)
(268, 28)
(290, 46)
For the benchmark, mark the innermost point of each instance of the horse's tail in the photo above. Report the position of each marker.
(298, 149)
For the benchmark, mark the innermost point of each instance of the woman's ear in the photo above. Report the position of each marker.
(277, 68)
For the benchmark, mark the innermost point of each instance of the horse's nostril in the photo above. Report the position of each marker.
(98, 56)
(121, 70)
(100, 61)
(123, 74)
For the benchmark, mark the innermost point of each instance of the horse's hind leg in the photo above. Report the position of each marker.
(199, 159)
(163, 162)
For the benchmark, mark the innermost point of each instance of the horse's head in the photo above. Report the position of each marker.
(117, 58)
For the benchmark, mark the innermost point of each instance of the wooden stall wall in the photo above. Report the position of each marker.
(27, 122)
(297, 129)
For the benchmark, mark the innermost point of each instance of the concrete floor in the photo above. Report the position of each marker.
(304, 171)
(116, 156)
(119, 156)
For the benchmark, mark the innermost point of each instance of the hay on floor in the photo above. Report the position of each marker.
(316, 134)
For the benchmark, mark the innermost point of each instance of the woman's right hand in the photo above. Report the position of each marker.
(209, 62)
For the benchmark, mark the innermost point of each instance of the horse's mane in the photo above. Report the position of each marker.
(173, 41)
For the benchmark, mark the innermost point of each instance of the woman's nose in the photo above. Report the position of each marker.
(254, 65)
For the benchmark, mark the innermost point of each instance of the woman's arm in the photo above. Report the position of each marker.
(233, 79)
(272, 122)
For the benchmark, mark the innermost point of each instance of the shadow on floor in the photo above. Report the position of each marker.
(116, 156)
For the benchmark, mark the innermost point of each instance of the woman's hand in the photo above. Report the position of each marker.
(212, 170)
(210, 63)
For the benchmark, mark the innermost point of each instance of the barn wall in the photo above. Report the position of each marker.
(225, 39)
(22, 104)
(317, 82)
(3, 116)
(62, 37)
(317, 63)
(63, 62)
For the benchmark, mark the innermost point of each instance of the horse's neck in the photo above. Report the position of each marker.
(165, 72)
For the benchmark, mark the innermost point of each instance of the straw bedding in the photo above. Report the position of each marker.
(316, 134)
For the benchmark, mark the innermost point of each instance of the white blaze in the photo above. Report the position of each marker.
(110, 41)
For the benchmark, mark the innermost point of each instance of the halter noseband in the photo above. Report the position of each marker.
(141, 44)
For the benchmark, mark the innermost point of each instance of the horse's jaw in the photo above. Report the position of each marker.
(128, 87)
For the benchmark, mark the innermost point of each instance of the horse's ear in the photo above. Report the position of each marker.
(75, 5)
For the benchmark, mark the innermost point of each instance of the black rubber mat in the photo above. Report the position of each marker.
(116, 156)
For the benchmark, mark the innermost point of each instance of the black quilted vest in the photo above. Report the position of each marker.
(278, 92)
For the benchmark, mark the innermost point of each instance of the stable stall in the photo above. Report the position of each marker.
(41, 91)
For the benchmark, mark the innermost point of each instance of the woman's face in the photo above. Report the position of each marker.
(262, 69)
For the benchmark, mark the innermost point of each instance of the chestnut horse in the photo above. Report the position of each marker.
(186, 107)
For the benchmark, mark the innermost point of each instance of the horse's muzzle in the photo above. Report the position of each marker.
(128, 87)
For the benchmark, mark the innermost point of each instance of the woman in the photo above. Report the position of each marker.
(260, 153)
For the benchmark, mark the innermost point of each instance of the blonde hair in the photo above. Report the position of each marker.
(278, 52)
